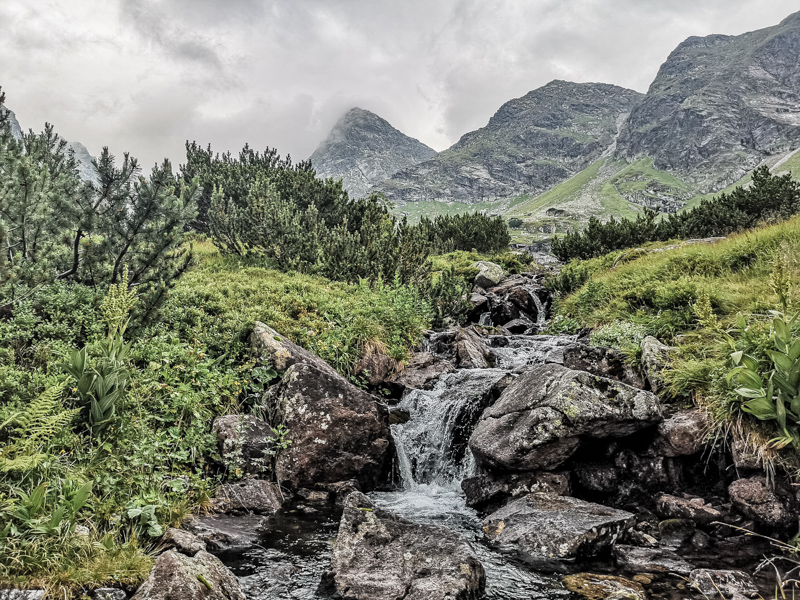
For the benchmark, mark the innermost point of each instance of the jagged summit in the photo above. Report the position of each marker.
(16, 130)
(720, 105)
(363, 149)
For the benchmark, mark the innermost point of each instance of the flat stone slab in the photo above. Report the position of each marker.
(225, 533)
(543, 529)
(650, 560)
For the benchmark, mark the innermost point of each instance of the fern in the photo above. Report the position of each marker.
(33, 429)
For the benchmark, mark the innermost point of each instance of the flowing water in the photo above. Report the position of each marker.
(432, 460)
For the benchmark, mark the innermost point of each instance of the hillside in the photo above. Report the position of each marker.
(363, 149)
(529, 145)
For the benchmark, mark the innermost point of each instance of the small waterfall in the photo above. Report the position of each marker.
(432, 444)
(517, 352)
(541, 312)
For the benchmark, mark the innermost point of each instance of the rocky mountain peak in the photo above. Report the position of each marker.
(363, 149)
(530, 144)
(16, 130)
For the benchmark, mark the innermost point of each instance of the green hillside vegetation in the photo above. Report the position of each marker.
(122, 337)
(690, 296)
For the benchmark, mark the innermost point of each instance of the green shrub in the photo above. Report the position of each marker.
(619, 335)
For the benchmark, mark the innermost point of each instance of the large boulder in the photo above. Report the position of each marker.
(754, 499)
(375, 368)
(489, 274)
(198, 577)
(539, 420)
(244, 443)
(337, 431)
(470, 350)
(380, 556)
(542, 529)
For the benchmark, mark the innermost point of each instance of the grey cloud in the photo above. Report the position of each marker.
(147, 75)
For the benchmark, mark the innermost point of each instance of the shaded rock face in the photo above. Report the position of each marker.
(539, 420)
(490, 491)
(754, 499)
(605, 362)
(226, 533)
(422, 371)
(530, 144)
(379, 556)
(720, 105)
(542, 529)
(655, 358)
(682, 434)
(200, 577)
(243, 442)
(363, 149)
(338, 431)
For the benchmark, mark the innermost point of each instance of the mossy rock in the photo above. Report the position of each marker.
(604, 587)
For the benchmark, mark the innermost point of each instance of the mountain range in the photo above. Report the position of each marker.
(719, 106)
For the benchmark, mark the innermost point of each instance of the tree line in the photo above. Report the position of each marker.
(769, 198)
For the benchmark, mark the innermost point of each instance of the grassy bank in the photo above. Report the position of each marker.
(691, 296)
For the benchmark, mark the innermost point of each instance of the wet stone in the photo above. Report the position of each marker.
(632, 559)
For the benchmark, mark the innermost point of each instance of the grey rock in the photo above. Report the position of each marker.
(223, 533)
(655, 358)
(250, 495)
(727, 582)
(380, 556)
(338, 431)
(376, 368)
(471, 351)
(676, 532)
(696, 509)
(633, 559)
(86, 170)
(182, 541)
(364, 149)
(539, 420)
(201, 577)
(754, 499)
(489, 274)
(607, 587)
(14, 594)
(530, 144)
(109, 594)
(597, 477)
(243, 441)
(682, 434)
(543, 529)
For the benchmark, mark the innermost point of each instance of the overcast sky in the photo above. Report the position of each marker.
(146, 75)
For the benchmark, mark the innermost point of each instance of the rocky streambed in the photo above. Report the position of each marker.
(505, 465)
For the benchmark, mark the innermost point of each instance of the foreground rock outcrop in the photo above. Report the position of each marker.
(337, 431)
(541, 418)
(379, 556)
